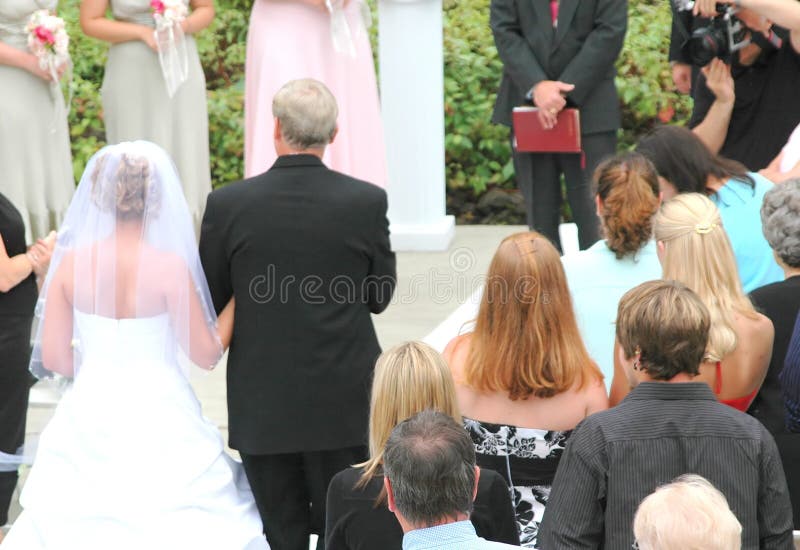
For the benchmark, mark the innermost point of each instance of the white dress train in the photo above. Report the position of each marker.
(128, 461)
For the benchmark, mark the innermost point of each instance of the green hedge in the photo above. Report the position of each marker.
(477, 152)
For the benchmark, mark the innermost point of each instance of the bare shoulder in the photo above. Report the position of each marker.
(757, 326)
(594, 395)
(455, 354)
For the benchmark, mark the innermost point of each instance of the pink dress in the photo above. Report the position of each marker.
(289, 39)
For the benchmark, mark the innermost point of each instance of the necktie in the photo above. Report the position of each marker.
(554, 12)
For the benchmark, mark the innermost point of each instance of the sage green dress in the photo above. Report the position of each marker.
(35, 159)
(136, 105)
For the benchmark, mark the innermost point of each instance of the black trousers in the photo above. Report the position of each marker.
(539, 178)
(290, 492)
(15, 382)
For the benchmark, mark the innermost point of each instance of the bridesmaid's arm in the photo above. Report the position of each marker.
(13, 57)
(13, 269)
(201, 17)
(95, 24)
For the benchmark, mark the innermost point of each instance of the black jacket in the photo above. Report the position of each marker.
(305, 251)
(581, 51)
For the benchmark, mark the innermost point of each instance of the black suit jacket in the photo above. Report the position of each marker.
(581, 51)
(305, 251)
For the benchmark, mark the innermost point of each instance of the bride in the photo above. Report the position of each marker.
(128, 461)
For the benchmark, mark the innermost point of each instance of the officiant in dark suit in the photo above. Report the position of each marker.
(305, 253)
(561, 54)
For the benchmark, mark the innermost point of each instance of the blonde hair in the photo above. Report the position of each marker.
(127, 188)
(697, 252)
(409, 378)
(526, 339)
(690, 514)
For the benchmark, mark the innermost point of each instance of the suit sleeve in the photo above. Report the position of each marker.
(703, 99)
(213, 254)
(774, 507)
(382, 278)
(681, 27)
(503, 520)
(518, 59)
(574, 517)
(599, 51)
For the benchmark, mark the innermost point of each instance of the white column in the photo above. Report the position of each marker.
(412, 99)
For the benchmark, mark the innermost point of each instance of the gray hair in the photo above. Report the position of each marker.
(430, 461)
(307, 111)
(780, 220)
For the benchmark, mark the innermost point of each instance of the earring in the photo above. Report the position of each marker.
(637, 365)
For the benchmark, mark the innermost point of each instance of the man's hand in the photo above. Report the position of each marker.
(708, 8)
(682, 77)
(719, 81)
(548, 96)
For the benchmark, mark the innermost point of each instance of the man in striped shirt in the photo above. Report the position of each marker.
(667, 426)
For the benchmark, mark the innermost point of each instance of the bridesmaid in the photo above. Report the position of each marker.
(19, 273)
(34, 139)
(291, 39)
(135, 101)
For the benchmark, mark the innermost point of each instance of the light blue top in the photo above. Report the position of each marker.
(450, 536)
(740, 209)
(597, 280)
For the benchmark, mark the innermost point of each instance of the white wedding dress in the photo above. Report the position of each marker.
(128, 461)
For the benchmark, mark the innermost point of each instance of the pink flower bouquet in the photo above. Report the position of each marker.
(48, 41)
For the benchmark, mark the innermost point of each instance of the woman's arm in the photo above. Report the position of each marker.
(57, 327)
(13, 57)
(95, 24)
(201, 17)
(225, 323)
(13, 270)
(198, 340)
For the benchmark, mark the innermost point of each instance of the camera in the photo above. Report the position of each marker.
(721, 37)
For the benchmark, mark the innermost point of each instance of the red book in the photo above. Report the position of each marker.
(531, 137)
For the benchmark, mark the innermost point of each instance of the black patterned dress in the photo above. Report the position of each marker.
(527, 458)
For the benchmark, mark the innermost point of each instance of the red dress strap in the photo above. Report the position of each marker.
(718, 382)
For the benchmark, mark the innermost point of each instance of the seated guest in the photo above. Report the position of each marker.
(627, 199)
(695, 250)
(780, 216)
(523, 377)
(431, 480)
(688, 513)
(408, 379)
(685, 165)
(669, 425)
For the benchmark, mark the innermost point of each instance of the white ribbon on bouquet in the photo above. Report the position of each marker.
(341, 35)
(172, 54)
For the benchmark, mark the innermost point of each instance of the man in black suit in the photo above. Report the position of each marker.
(305, 253)
(558, 54)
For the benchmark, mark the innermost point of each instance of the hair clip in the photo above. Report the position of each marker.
(704, 228)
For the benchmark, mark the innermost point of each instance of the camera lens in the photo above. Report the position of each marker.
(707, 43)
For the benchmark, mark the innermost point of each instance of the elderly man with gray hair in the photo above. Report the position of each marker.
(305, 253)
(431, 481)
(780, 219)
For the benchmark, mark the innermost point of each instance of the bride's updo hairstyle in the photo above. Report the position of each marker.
(126, 184)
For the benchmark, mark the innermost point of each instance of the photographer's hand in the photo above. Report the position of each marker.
(708, 8)
(719, 81)
(682, 76)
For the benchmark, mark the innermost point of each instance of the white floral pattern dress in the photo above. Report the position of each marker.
(527, 458)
